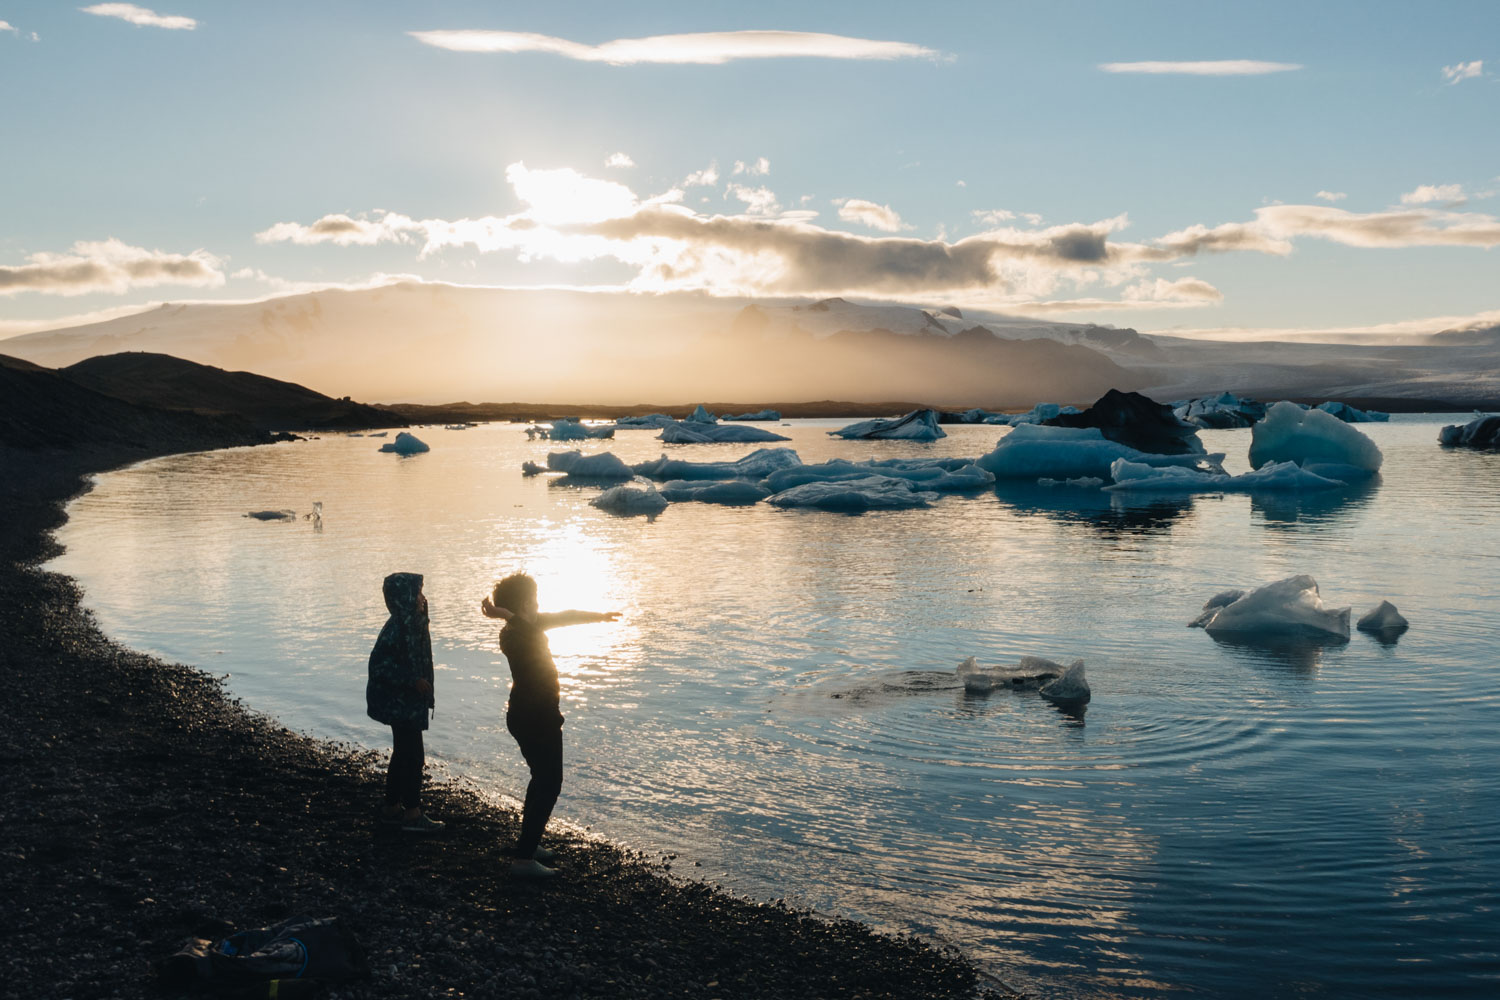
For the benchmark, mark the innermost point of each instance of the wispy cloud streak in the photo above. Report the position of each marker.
(109, 266)
(141, 16)
(705, 48)
(1215, 67)
(1463, 71)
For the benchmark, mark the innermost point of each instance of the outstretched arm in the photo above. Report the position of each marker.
(491, 610)
(555, 619)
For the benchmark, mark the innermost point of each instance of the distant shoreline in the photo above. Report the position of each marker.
(149, 806)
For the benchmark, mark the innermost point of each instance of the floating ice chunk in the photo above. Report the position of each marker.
(977, 415)
(604, 465)
(918, 425)
(756, 465)
(1135, 476)
(701, 433)
(1035, 415)
(650, 420)
(868, 493)
(757, 415)
(1353, 415)
(1286, 606)
(1034, 451)
(729, 492)
(1482, 433)
(405, 444)
(1030, 673)
(700, 416)
(945, 475)
(316, 514)
(1138, 422)
(1213, 605)
(573, 430)
(377, 434)
(630, 500)
(1071, 689)
(531, 469)
(1222, 412)
(1315, 440)
(1382, 618)
(273, 515)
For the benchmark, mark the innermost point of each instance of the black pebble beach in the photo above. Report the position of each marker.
(141, 805)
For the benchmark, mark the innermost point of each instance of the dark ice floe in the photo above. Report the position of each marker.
(854, 495)
(918, 425)
(1317, 441)
(1222, 412)
(273, 515)
(1383, 617)
(1286, 607)
(1481, 433)
(405, 444)
(731, 492)
(1353, 414)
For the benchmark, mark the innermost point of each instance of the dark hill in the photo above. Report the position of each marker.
(42, 408)
(163, 381)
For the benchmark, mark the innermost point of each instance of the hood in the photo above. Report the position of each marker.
(401, 590)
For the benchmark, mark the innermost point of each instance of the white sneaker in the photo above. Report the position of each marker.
(531, 868)
(543, 855)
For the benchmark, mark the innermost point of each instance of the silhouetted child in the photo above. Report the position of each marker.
(399, 694)
(533, 715)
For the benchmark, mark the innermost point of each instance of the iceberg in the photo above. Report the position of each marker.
(854, 495)
(1070, 690)
(918, 425)
(405, 444)
(1137, 422)
(531, 469)
(653, 421)
(1383, 617)
(1353, 415)
(759, 415)
(1291, 606)
(700, 416)
(943, 475)
(701, 433)
(1137, 476)
(1061, 685)
(604, 465)
(573, 430)
(1482, 433)
(733, 492)
(1034, 451)
(1225, 411)
(1035, 415)
(630, 500)
(1317, 441)
(756, 465)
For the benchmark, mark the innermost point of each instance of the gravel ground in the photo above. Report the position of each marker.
(140, 805)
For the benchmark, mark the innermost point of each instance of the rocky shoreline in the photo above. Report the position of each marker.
(143, 806)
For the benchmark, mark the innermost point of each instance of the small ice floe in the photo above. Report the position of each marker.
(855, 495)
(531, 469)
(948, 475)
(697, 432)
(630, 500)
(1286, 607)
(1225, 411)
(1317, 441)
(316, 514)
(756, 465)
(605, 465)
(731, 492)
(405, 444)
(377, 434)
(576, 430)
(273, 515)
(918, 425)
(1034, 451)
(1133, 476)
(700, 416)
(758, 415)
(1481, 433)
(355, 434)
(1353, 414)
(1059, 684)
(1383, 617)
(1035, 415)
(650, 420)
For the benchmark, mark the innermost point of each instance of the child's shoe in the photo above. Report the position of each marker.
(531, 868)
(423, 823)
(543, 855)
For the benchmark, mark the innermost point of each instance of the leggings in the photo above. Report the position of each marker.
(403, 779)
(541, 745)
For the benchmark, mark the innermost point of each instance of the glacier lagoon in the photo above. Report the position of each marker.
(778, 705)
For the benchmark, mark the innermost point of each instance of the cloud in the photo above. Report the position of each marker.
(867, 213)
(1231, 236)
(340, 230)
(1463, 71)
(1194, 291)
(759, 168)
(758, 201)
(707, 48)
(618, 160)
(1417, 227)
(109, 266)
(1426, 194)
(1333, 195)
(1218, 67)
(995, 216)
(7, 26)
(707, 177)
(141, 16)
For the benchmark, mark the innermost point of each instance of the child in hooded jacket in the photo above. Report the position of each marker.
(399, 694)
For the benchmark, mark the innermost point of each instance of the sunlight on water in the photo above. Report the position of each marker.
(778, 700)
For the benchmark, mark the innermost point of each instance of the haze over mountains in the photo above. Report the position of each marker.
(424, 342)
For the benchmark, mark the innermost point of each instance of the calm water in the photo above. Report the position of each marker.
(778, 703)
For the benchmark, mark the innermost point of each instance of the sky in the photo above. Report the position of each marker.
(1175, 167)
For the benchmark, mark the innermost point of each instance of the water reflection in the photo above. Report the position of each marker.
(1316, 507)
(1109, 513)
(1296, 653)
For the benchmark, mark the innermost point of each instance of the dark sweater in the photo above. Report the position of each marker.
(533, 675)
